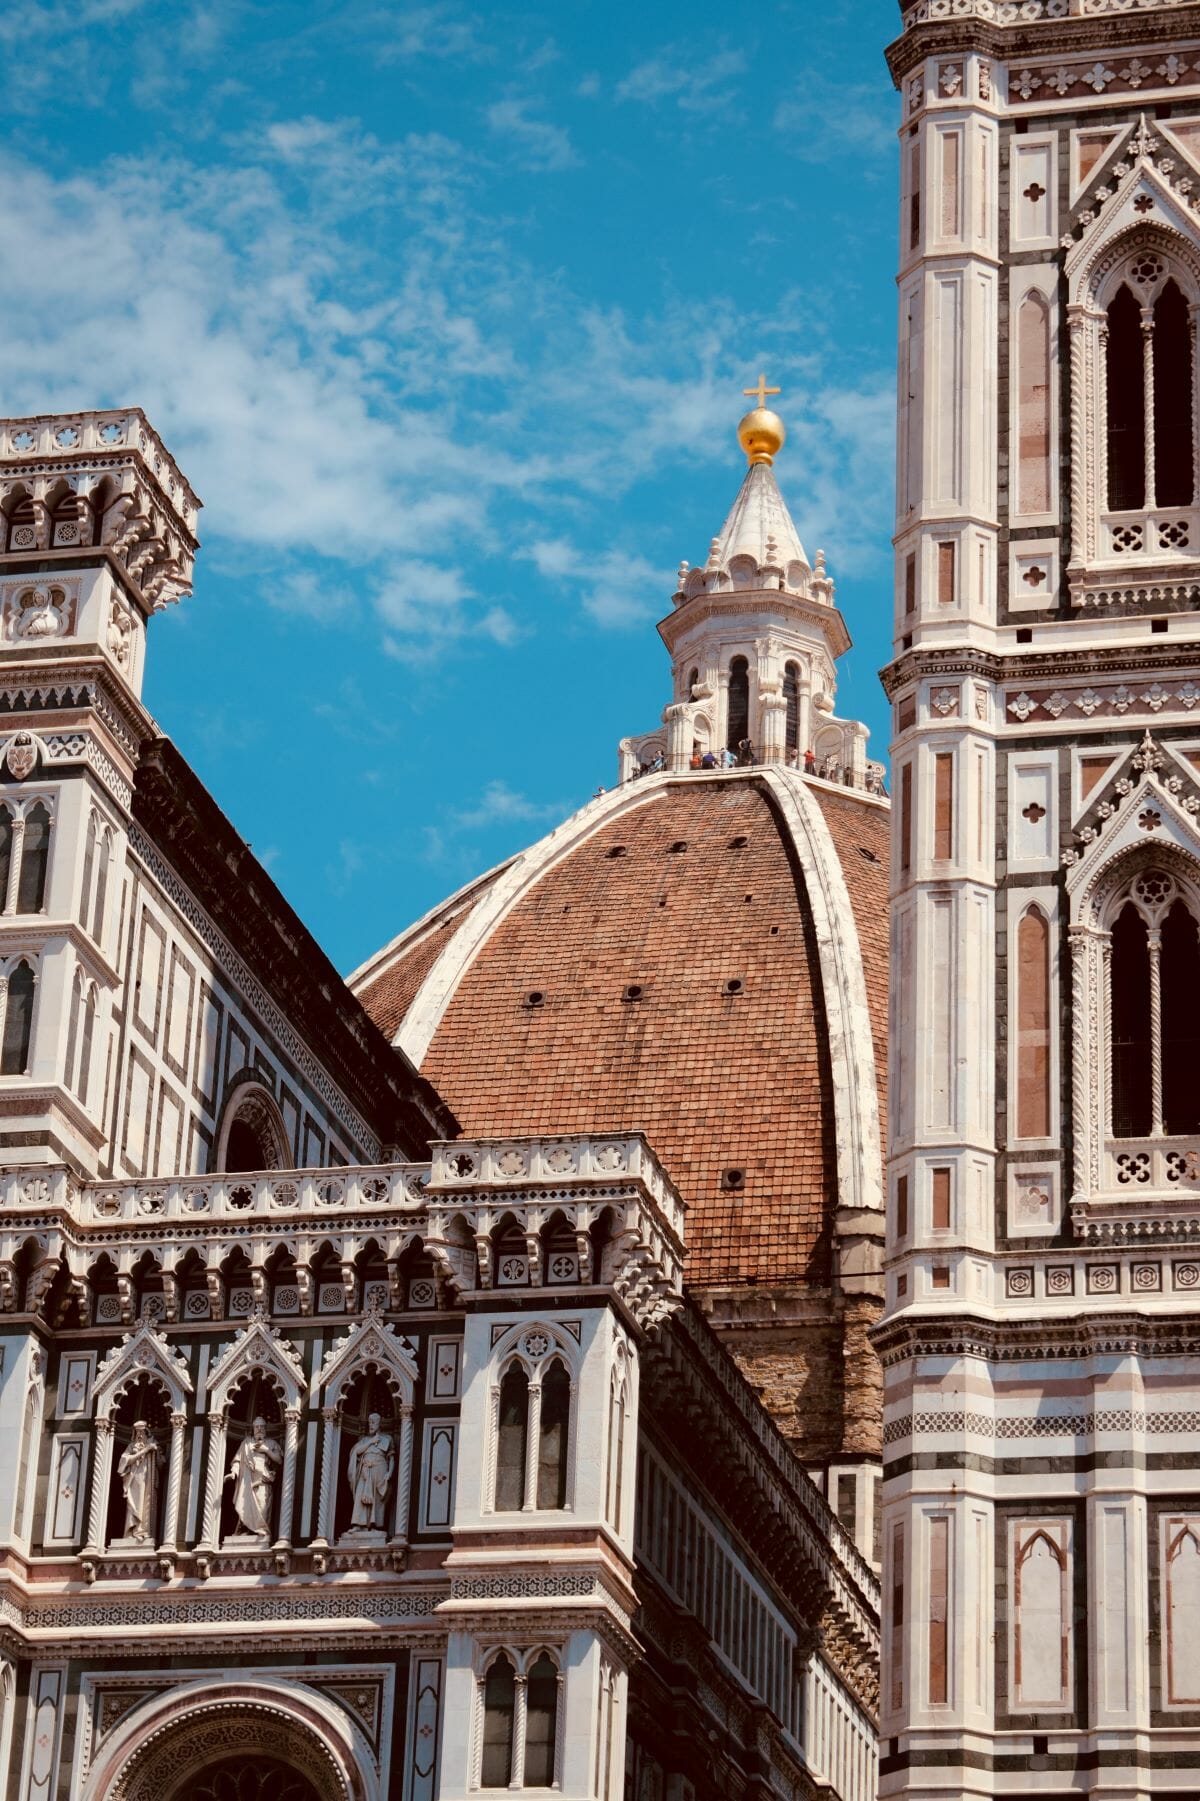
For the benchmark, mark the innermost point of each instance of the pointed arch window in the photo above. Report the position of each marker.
(35, 859)
(89, 865)
(532, 1426)
(553, 1429)
(499, 1722)
(24, 855)
(541, 1723)
(512, 1440)
(1148, 367)
(738, 711)
(18, 1020)
(1126, 399)
(791, 699)
(1154, 999)
(104, 856)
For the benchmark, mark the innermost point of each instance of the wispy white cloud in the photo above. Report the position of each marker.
(499, 805)
(536, 143)
(675, 74)
(616, 588)
(830, 118)
(412, 33)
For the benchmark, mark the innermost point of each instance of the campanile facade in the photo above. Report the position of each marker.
(1041, 1341)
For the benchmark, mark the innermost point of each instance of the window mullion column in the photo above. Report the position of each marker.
(14, 865)
(1148, 403)
(533, 1444)
(1154, 945)
(520, 1716)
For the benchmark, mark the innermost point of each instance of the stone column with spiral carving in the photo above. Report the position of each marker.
(404, 1463)
(326, 1499)
(1151, 488)
(210, 1530)
(1080, 428)
(287, 1486)
(532, 1446)
(101, 1476)
(1079, 940)
(170, 1530)
(1154, 947)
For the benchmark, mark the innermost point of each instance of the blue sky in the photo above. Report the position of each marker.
(446, 312)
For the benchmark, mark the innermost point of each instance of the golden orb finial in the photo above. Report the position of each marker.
(761, 433)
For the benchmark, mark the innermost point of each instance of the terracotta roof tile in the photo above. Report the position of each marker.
(717, 1081)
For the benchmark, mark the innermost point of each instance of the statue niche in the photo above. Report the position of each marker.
(141, 1435)
(368, 1451)
(249, 1506)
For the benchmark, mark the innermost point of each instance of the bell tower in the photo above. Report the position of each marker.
(97, 533)
(1041, 1339)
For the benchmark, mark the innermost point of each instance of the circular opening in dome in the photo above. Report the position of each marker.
(679, 846)
(734, 985)
(733, 1179)
(868, 856)
(738, 843)
(535, 998)
(618, 850)
(634, 992)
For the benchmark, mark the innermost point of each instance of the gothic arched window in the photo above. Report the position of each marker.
(35, 858)
(499, 1719)
(738, 715)
(89, 864)
(1148, 378)
(6, 851)
(553, 1431)
(1154, 1007)
(1126, 399)
(18, 1021)
(791, 696)
(103, 856)
(85, 1044)
(512, 1439)
(541, 1722)
(1174, 456)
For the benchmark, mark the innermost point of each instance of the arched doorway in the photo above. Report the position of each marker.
(257, 1740)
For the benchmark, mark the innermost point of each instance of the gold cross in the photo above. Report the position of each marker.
(760, 393)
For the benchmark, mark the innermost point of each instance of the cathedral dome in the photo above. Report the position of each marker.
(700, 957)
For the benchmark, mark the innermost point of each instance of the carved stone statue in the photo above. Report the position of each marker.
(139, 1469)
(372, 1463)
(253, 1472)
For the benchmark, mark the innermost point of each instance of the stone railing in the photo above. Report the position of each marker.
(65, 436)
(507, 1213)
(515, 1162)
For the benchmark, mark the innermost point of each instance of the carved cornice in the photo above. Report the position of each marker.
(1043, 1340)
(1018, 30)
(1136, 660)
